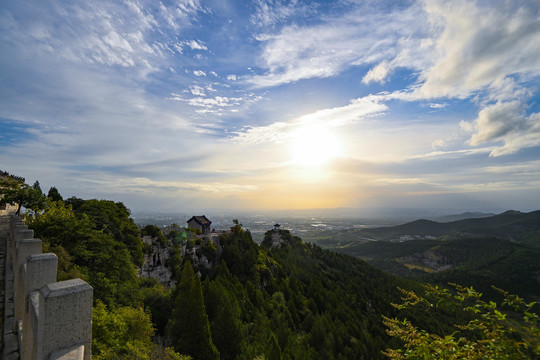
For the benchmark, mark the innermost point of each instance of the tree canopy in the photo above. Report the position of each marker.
(16, 192)
(487, 330)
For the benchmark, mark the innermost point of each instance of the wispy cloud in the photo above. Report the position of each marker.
(357, 110)
(217, 104)
(271, 12)
(148, 185)
(319, 51)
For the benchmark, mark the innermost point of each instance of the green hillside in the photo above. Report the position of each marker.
(480, 262)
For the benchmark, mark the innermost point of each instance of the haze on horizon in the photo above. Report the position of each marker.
(269, 104)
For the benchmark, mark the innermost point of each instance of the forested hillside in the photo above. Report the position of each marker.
(284, 299)
(479, 262)
(296, 301)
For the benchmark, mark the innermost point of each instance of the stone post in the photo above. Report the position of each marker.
(26, 248)
(65, 318)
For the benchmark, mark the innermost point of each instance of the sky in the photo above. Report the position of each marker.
(183, 105)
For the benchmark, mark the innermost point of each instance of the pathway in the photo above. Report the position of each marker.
(9, 346)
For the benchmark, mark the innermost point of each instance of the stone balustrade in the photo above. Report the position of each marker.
(51, 320)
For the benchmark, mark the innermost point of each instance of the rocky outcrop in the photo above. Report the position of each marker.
(155, 262)
(430, 259)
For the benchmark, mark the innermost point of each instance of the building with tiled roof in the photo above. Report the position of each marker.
(201, 223)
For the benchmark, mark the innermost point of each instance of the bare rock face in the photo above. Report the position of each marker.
(154, 262)
(276, 240)
(431, 260)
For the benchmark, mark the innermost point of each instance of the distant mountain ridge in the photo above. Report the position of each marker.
(511, 225)
(462, 216)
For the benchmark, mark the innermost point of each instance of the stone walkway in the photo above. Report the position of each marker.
(9, 347)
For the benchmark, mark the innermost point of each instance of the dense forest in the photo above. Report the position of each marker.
(296, 301)
(283, 299)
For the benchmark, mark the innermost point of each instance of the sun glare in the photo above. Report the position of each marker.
(313, 146)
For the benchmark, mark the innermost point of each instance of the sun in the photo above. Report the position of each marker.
(313, 146)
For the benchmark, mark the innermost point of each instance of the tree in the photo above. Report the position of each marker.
(113, 218)
(189, 328)
(126, 333)
(104, 262)
(54, 195)
(489, 333)
(13, 191)
(224, 313)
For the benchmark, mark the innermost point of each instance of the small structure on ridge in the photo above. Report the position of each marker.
(201, 223)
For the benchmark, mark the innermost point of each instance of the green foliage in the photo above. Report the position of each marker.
(189, 328)
(158, 301)
(176, 235)
(113, 218)
(101, 260)
(125, 333)
(295, 302)
(194, 230)
(273, 351)
(476, 261)
(54, 195)
(13, 191)
(155, 232)
(174, 263)
(209, 250)
(225, 318)
(490, 332)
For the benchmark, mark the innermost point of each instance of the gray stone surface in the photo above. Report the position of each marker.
(67, 312)
(58, 316)
(73, 353)
(11, 344)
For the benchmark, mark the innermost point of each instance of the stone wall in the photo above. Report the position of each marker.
(51, 320)
(6, 209)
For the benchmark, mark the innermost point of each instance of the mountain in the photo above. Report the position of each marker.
(511, 225)
(501, 250)
(462, 216)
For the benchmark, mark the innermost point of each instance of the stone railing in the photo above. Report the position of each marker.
(52, 320)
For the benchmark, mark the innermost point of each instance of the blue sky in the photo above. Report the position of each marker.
(187, 104)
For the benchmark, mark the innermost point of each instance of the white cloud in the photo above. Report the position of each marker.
(497, 121)
(218, 105)
(196, 45)
(197, 90)
(479, 44)
(199, 73)
(524, 168)
(148, 185)
(378, 73)
(357, 110)
(505, 122)
(356, 38)
(271, 12)
(438, 106)
(130, 34)
(218, 101)
(231, 77)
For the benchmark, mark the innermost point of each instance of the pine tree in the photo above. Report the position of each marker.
(224, 313)
(189, 327)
